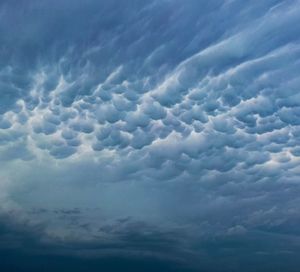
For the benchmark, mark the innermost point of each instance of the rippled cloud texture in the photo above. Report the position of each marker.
(150, 135)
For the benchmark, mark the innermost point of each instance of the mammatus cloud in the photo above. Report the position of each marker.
(153, 127)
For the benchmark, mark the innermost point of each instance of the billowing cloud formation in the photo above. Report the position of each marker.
(182, 116)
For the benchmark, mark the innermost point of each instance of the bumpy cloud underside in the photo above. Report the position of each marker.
(180, 114)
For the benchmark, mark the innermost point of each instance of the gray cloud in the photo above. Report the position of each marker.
(182, 116)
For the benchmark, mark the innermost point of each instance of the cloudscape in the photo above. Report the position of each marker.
(149, 135)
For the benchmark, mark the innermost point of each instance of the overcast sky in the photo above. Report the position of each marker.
(158, 135)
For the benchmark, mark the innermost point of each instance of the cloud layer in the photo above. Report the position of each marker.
(136, 120)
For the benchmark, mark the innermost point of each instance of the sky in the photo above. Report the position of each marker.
(158, 135)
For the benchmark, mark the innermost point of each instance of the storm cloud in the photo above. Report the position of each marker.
(150, 132)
